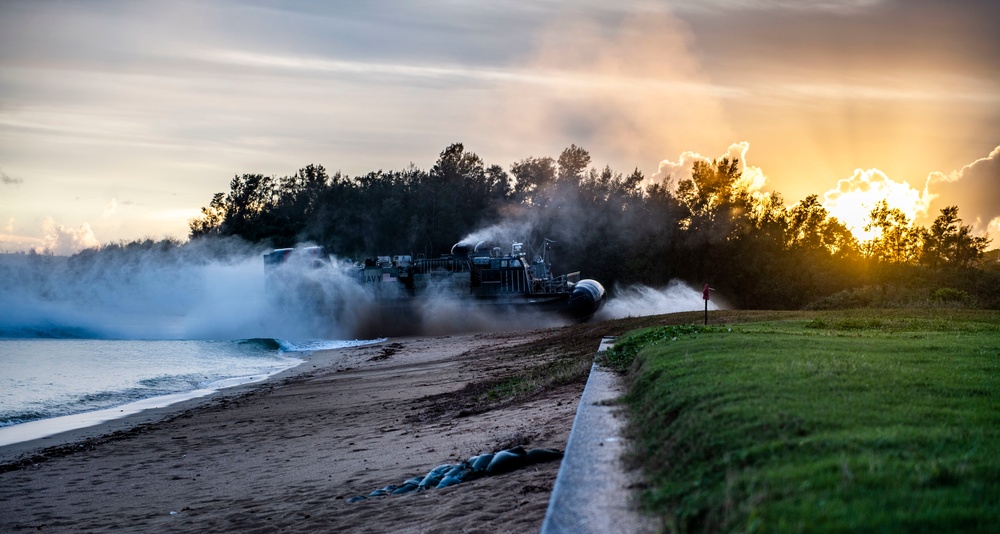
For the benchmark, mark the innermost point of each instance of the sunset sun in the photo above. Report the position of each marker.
(855, 197)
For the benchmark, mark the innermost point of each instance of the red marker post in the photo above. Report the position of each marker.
(705, 295)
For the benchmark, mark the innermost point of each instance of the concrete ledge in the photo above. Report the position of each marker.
(592, 491)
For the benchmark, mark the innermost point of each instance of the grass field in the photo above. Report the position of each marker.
(820, 421)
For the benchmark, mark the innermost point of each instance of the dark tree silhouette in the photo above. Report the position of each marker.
(949, 243)
(613, 227)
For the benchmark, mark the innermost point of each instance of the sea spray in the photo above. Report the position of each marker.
(639, 300)
(194, 291)
(215, 289)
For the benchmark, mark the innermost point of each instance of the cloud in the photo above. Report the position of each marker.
(874, 39)
(627, 83)
(110, 209)
(675, 172)
(10, 241)
(854, 198)
(5, 179)
(993, 230)
(807, 6)
(975, 189)
(191, 93)
(61, 240)
(17, 243)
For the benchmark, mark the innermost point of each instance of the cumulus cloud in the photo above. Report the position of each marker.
(975, 189)
(993, 230)
(854, 198)
(62, 240)
(674, 172)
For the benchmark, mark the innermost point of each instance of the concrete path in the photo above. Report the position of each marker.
(592, 491)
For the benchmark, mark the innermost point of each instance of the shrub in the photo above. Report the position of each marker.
(947, 294)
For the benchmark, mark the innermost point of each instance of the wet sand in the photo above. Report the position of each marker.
(286, 455)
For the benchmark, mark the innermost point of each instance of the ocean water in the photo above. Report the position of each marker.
(89, 338)
(51, 385)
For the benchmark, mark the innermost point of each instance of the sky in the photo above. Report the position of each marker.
(120, 119)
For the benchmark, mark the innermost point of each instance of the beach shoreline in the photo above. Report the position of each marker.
(12, 452)
(288, 452)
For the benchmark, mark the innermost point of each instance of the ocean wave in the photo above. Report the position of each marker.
(312, 345)
(268, 343)
(61, 406)
(9, 419)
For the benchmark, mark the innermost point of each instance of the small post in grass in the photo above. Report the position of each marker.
(704, 295)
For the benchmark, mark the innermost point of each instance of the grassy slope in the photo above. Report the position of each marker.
(833, 421)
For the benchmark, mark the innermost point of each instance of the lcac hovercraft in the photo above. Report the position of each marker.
(480, 274)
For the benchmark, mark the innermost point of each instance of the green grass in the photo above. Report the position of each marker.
(830, 421)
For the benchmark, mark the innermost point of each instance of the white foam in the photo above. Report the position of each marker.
(312, 345)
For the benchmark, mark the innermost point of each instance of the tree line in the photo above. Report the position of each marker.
(710, 228)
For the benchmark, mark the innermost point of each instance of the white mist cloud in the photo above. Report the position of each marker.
(201, 290)
(639, 300)
(502, 234)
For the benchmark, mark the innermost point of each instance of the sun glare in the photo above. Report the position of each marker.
(854, 198)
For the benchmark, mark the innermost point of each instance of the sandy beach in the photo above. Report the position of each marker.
(286, 455)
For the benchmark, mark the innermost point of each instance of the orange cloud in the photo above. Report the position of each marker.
(975, 189)
(753, 177)
(854, 198)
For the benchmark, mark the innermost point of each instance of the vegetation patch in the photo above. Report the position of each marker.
(835, 421)
(948, 294)
(620, 356)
